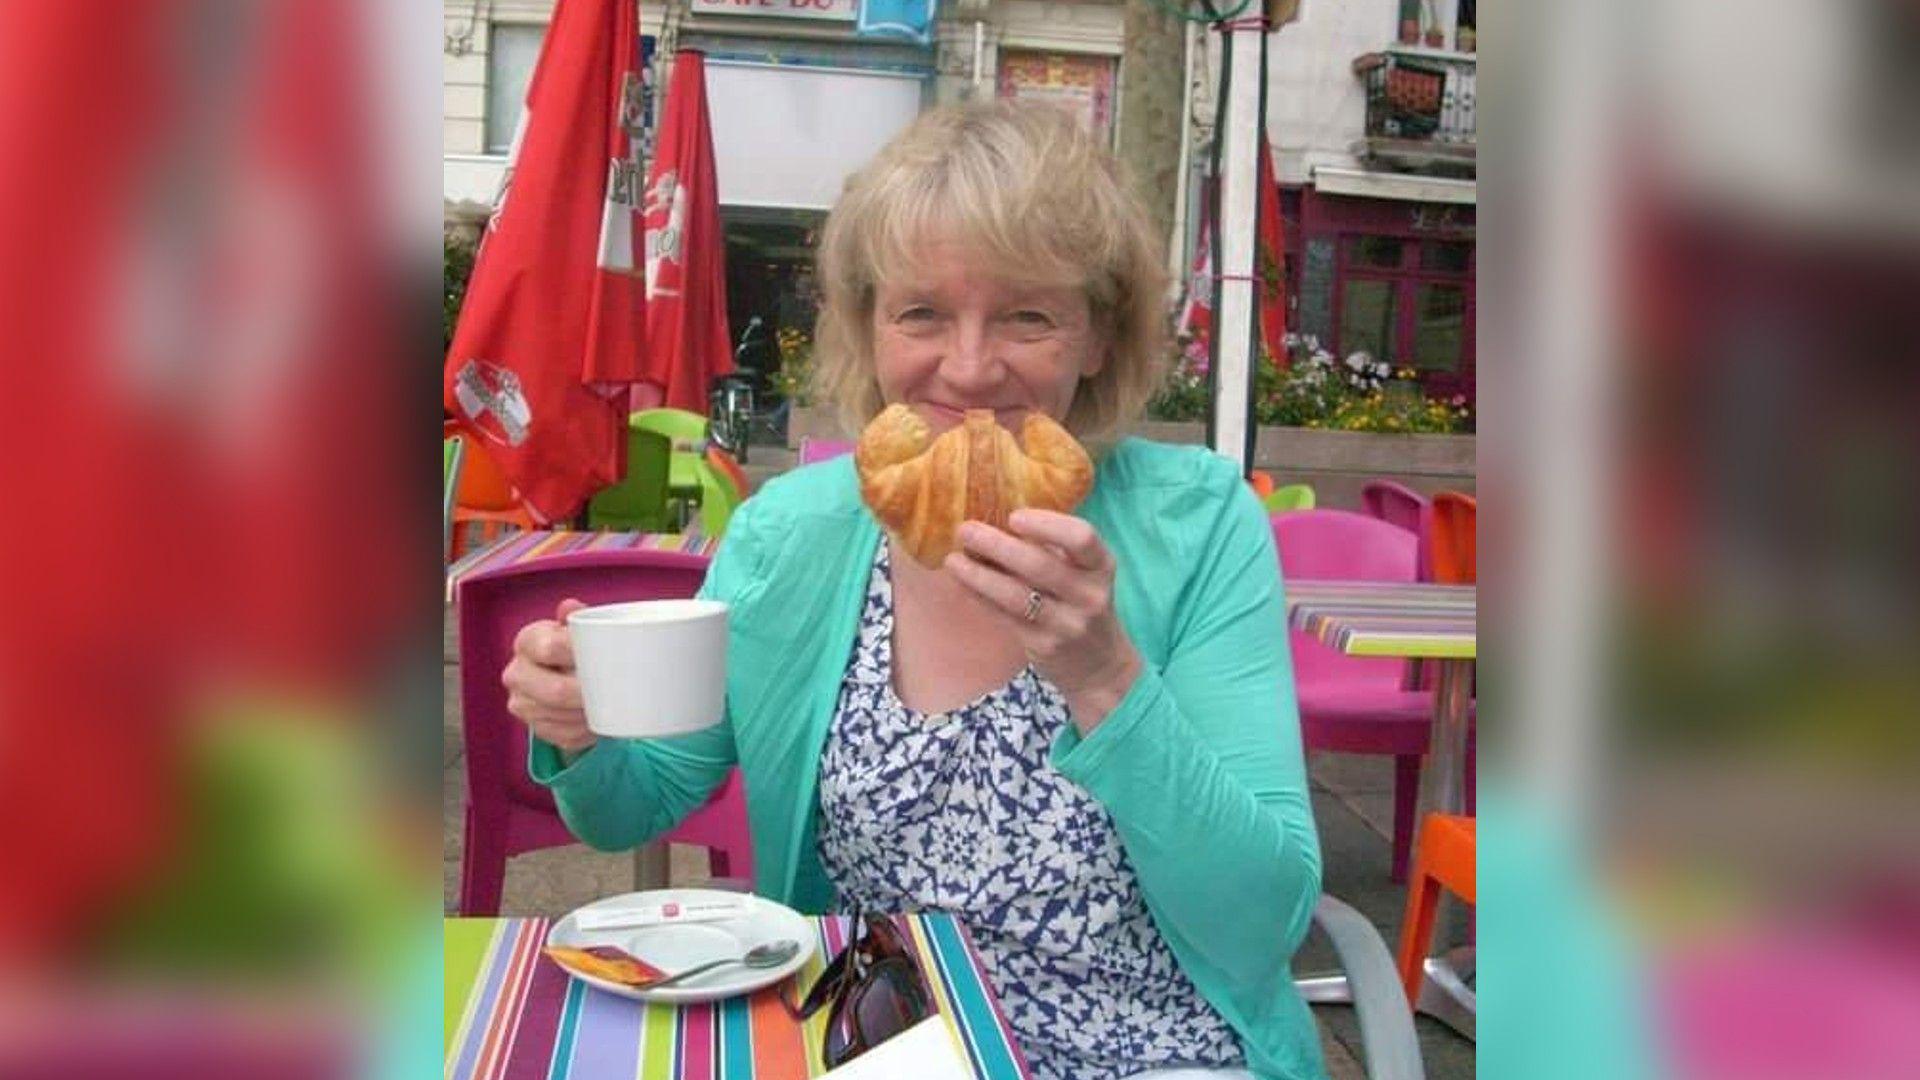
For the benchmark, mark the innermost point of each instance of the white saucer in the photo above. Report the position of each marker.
(678, 946)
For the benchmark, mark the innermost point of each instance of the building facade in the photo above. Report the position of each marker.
(1373, 136)
(1370, 110)
(798, 100)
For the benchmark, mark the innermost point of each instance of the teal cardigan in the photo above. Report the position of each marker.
(1200, 765)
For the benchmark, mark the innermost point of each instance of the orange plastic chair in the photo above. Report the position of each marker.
(1443, 858)
(725, 464)
(483, 497)
(1454, 525)
(1262, 483)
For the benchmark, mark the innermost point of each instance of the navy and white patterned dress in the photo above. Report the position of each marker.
(961, 812)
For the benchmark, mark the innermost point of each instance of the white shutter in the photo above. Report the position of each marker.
(789, 136)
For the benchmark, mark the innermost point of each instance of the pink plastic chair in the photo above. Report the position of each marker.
(1397, 504)
(508, 813)
(1799, 1001)
(812, 449)
(1348, 704)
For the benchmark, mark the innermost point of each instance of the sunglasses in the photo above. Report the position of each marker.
(872, 990)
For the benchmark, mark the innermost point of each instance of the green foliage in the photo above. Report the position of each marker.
(796, 366)
(458, 267)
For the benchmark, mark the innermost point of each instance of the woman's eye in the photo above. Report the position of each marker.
(915, 314)
(1032, 320)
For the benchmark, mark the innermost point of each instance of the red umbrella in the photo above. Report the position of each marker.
(1272, 261)
(553, 326)
(1196, 317)
(686, 253)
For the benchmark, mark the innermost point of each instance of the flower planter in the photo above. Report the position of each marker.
(1338, 463)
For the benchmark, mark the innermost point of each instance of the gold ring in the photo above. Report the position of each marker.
(1033, 605)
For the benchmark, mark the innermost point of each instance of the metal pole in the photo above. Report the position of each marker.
(1229, 427)
(979, 52)
(1177, 243)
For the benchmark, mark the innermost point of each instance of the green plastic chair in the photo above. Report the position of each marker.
(718, 499)
(451, 452)
(687, 431)
(1290, 497)
(639, 500)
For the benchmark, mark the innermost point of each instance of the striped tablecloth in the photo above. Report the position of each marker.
(1387, 618)
(518, 547)
(511, 1014)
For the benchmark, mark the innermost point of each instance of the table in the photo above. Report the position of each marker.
(1417, 621)
(511, 1014)
(519, 547)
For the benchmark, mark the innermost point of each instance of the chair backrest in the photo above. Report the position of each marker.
(452, 451)
(1289, 498)
(1394, 503)
(495, 605)
(1398, 504)
(726, 466)
(718, 499)
(813, 450)
(482, 486)
(1454, 554)
(639, 499)
(1342, 546)
(687, 430)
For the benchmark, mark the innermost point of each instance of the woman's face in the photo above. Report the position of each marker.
(951, 337)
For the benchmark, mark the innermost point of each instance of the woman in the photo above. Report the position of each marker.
(1079, 735)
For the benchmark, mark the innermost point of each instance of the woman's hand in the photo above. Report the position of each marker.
(1071, 634)
(542, 689)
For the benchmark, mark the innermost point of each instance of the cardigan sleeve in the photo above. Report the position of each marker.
(624, 792)
(1201, 768)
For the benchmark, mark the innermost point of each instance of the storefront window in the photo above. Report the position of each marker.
(1440, 318)
(1446, 256)
(1383, 252)
(1367, 319)
(1408, 300)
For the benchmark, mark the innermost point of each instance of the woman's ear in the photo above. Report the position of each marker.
(1099, 354)
(1100, 349)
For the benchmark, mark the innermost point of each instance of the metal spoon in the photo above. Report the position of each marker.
(769, 954)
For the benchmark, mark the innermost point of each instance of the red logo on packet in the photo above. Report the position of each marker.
(669, 910)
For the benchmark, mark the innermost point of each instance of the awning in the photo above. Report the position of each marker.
(1384, 185)
(789, 135)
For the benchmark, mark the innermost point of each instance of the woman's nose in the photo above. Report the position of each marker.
(971, 360)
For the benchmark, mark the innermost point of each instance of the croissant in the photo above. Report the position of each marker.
(922, 488)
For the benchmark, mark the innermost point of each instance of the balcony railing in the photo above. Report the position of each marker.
(1419, 107)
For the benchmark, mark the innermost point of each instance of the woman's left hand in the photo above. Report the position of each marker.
(1051, 579)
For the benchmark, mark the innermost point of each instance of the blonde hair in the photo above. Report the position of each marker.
(1035, 195)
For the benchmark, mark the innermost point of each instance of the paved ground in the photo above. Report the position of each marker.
(1352, 799)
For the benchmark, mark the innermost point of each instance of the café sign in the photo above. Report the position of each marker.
(836, 10)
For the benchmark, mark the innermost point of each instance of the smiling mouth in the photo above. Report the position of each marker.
(956, 413)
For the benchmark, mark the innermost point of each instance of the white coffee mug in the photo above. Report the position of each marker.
(651, 668)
